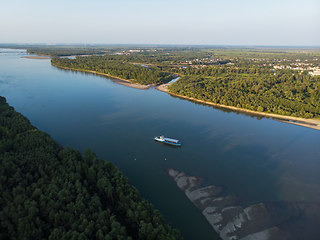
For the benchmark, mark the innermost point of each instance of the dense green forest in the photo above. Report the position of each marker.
(50, 192)
(113, 67)
(282, 92)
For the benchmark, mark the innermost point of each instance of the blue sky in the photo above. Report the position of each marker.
(201, 22)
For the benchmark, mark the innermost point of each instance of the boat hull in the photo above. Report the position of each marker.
(166, 141)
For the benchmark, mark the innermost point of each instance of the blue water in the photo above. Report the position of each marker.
(257, 159)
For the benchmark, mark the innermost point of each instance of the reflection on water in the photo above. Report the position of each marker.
(227, 110)
(255, 158)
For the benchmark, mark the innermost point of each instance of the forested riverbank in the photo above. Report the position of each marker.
(106, 65)
(114, 78)
(286, 93)
(264, 81)
(309, 123)
(50, 192)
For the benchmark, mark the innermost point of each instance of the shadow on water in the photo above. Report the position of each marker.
(292, 205)
(85, 73)
(297, 219)
(168, 145)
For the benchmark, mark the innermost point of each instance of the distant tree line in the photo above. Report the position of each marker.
(50, 192)
(220, 68)
(56, 51)
(171, 54)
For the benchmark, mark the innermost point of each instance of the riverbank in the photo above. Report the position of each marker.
(163, 87)
(309, 123)
(36, 57)
(113, 78)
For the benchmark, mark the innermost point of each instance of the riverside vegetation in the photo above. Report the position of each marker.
(269, 80)
(285, 93)
(50, 192)
(264, 80)
(111, 66)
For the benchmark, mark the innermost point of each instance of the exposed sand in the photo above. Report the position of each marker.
(36, 57)
(309, 123)
(163, 87)
(129, 84)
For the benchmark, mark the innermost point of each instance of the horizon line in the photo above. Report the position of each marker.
(154, 45)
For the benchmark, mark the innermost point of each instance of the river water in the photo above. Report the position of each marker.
(256, 159)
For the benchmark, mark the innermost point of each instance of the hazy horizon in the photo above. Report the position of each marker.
(145, 45)
(140, 22)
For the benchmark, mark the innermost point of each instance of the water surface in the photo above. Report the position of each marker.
(257, 159)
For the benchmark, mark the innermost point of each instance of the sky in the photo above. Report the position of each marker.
(200, 22)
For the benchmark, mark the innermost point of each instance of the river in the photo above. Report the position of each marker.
(257, 159)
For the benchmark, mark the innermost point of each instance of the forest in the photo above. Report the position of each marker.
(283, 92)
(109, 65)
(51, 192)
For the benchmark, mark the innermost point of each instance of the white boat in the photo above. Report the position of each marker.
(170, 141)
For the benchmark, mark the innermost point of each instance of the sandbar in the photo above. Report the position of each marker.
(163, 87)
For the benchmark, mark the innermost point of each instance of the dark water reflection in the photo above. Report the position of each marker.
(255, 158)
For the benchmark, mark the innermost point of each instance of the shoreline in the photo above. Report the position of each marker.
(113, 78)
(303, 122)
(36, 57)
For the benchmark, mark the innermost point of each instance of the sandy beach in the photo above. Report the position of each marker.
(163, 87)
(309, 123)
(129, 84)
